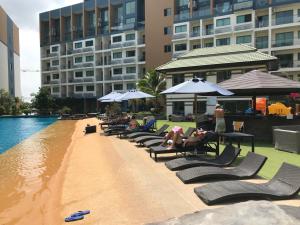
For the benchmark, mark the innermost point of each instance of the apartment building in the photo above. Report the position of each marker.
(9, 55)
(272, 26)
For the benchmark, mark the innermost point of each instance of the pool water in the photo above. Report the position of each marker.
(15, 130)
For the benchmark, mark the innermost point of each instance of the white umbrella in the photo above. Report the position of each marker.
(111, 97)
(198, 86)
(134, 94)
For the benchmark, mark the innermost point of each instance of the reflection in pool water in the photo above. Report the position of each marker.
(27, 168)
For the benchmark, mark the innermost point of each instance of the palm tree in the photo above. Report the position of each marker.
(153, 83)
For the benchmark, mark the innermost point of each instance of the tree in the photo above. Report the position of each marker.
(7, 102)
(43, 101)
(153, 83)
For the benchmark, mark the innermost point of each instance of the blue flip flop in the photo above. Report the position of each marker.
(81, 213)
(73, 218)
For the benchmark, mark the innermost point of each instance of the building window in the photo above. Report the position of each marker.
(223, 75)
(130, 70)
(118, 87)
(286, 60)
(78, 45)
(177, 79)
(208, 44)
(196, 30)
(89, 43)
(130, 54)
(55, 62)
(89, 58)
(130, 8)
(117, 55)
(223, 22)
(167, 12)
(89, 73)
(178, 108)
(117, 71)
(131, 86)
(168, 48)
(284, 17)
(298, 56)
(78, 74)
(78, 59)
(130, 20)
(262, 42)
(244, 18)
(223, 41)
(167, 30)
(79, 88)
(284, 39)
(90, 88)
(243, 39)
(262, 21)
(55, 76)
(117, 39)
(55, 90)
(298, 12)
(298, 34)
(181, 29)
(54, 49)
(196, 46)
(180, 47)
(130, 37)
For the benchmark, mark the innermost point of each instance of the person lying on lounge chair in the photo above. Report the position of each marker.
(175, 138)
(133, 124)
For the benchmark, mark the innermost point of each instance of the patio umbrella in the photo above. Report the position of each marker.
(198, 86)
(134, 94)
(111, 97)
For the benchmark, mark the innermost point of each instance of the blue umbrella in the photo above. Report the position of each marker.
(111, 97)
(198, 86)
(134, 94)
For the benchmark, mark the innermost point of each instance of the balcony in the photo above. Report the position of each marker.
(262, 23)
(207, 32)
(116, 61)
(116, 77)
(90, 32)
(67, 36)
(262, 44)
(55, 38)
(182, 17)
(129, 77)
(45, 41)
(243, 5)
(282, 43)
(244, 26)
(201, 13)
(195, 34)
(83, 95)
(179, 36)
(75, 51)
(88, 49)
(78, 34)
(121, 26)
(129, 60)
(54, 81)
(129, 44)
(81, 80)
(81, 65)
(223, 30)
(116, 45)
(142, 59)
(285, 20)
(261, 4)
(177, 54)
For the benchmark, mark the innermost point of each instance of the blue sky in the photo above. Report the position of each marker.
(25, 13)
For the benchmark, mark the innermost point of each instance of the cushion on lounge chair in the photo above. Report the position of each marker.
(248, 168)
(284, 185)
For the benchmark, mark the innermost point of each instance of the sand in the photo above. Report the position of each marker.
(121, 184)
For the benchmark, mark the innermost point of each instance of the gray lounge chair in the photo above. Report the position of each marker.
(201, 146)
(248, 168)
(159, 141)
(284, 185)
(139, 136)
(226, 158)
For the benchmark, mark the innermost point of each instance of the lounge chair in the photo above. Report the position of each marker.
(284, 185)
(146, 128)
(248, 168)
(226, 158)
(199, 146)
(159, 141)
(158, 133)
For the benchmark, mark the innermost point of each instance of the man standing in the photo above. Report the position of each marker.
(220, 121)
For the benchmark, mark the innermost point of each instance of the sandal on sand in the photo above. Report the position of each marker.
(80, 213)
(73, 218)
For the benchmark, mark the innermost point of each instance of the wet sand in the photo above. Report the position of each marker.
(29, 183)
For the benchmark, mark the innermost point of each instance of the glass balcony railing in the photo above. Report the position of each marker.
(91, 31)
(282, 43)
(201, 13)
(182, 17)
(243, 5)
(78, 34)
(261, 44)
(261, 23)
(258, 4)
(208, 32)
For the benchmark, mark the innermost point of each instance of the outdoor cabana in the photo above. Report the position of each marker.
(214, 64)
(257, 83)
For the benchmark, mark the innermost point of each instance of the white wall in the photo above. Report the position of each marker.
(17, 76)
(3, 67)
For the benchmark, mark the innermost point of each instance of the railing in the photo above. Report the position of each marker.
(261, 24)
(116, 45)
(88, 49)
(182, 17)
(179, 36)
(82, 95)
(245, 26)
(129, 60)
(201, 13)
(129, 43)
(116, 61)
(78, 34)
(207, 32)
(116, 77)
(223, 30)
(141, 41)
(195, 34)
(121, 27)
(261, 4)
(55, 38)
(54, 82)
(54, 54)
(81, 80)
(99, 63)
(285, 20)
(262, 44)
(129, 77)
(75, 51)
(90, 32)
(142, 59)
(282, 43)
(177, 54)
(243, 5)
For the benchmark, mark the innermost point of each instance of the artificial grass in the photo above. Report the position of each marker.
(275, 157)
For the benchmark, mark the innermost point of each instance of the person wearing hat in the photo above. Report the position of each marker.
(220, 121)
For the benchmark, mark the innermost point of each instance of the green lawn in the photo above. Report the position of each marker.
(275, 157)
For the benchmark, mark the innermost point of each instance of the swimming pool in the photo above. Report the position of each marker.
(15, 130)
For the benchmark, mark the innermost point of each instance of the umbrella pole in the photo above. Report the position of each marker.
(254, 104)
(195, 107)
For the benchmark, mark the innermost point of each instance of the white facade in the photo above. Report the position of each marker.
(3, 67)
